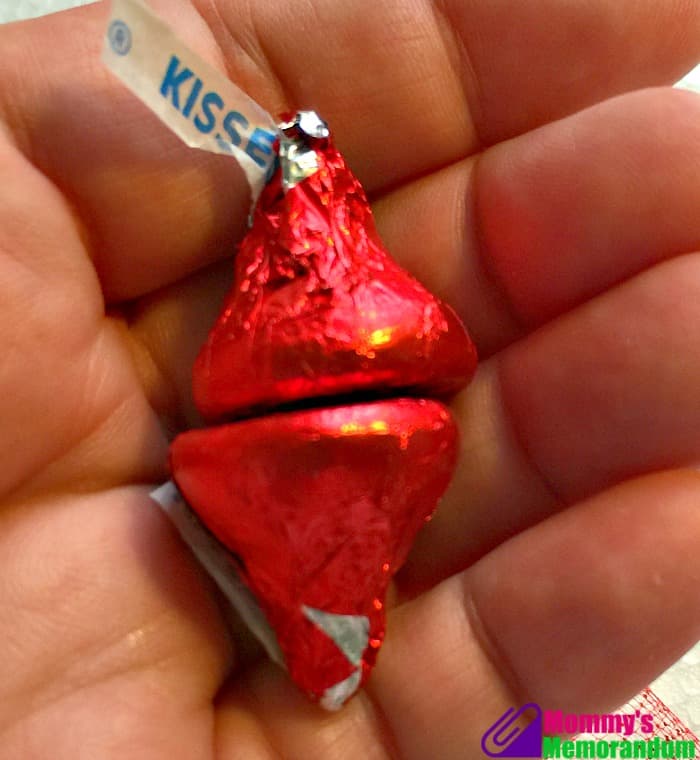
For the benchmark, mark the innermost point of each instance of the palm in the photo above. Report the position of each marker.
(113, 640)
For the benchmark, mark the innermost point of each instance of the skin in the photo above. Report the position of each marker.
(512, 174)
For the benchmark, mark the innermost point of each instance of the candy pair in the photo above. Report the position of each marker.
(325, 453)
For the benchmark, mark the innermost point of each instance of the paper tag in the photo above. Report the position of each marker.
(216, 561)
(198, 103)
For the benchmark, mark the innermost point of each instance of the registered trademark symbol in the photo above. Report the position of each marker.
(119, 36)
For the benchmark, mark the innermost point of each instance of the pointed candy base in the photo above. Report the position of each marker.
(321, 507)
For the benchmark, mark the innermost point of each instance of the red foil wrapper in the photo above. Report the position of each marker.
(321, 505)
(319, 308)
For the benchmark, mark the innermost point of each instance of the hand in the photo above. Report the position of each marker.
(562, 565)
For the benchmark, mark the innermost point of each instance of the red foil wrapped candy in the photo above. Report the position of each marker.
(325, 351)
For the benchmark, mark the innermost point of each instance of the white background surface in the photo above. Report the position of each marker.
(680, 686)
(11, 10)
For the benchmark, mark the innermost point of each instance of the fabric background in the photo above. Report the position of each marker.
(11, 10)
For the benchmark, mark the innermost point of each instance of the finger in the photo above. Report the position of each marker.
(443, 74)
(156, 211)
(638, 556)
(70, 402)
(542, 618)
(541, 223)
(166, 332)
(264, 716)
(631, 204)
(606, 393)
(112, 640)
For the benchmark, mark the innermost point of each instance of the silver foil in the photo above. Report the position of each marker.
(298, 157)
